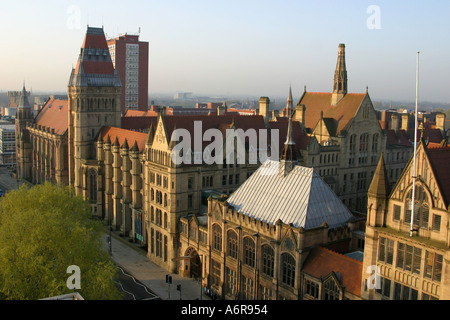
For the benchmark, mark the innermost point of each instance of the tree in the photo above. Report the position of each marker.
(44, 230)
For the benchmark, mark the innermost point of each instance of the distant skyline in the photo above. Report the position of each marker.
(239, 48)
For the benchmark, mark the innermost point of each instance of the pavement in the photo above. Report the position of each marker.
(134, 260)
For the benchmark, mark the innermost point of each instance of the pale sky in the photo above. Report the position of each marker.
(246, 47)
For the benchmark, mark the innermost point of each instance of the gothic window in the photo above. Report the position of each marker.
(249, 252)
(375, 148)
(409, 258)
(268, 258)
(288, 269)
(231, 281)
(232, 244)
(386, 250)
(433, 266)
(421, 208)
(215, 273)
(165, 220)
(93, 186)
(363, 148)
(352, 150)
(217, 237)
(331, 290)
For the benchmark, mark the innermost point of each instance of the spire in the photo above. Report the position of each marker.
(289, 154)
(340, 77)
(23, 101)
(380, 183)
(290, 103)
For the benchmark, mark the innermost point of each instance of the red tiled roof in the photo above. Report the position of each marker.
(399, 139)
(94, 41)
(96, 67)
(54, 115)
(342, 113)
(440, 159)
(122, 134)
(321, 262)
(138, 123)
(301, 140)
(137, 113)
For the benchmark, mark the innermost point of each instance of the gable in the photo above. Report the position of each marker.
(160, 139)
(428, 175)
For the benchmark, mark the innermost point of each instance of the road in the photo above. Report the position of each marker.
(133, 289)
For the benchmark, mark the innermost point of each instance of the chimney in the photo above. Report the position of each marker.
(300, 113)
(394, 122)
(264, 104)
(440, 122)
(405, 122)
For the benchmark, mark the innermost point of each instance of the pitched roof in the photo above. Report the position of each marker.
(439, 160)
(94, 66)
(141, 124)
(121, 135)
(380, 181)
(137, 113)
(301, 140)
(342, 113)
(321, 262)
(54, 115)
(300, 198)
(400, 138)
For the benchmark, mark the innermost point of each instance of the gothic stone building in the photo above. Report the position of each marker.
(409, 251)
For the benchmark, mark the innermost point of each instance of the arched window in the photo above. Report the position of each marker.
(165, 220)
(288, 269)
(232, 249)
(331, 290)
(268, 258)
(421, 208)
(152, 214)
(375, 148)
(217, 237)
(352, 150)
(93, 186)
(249, 252)
(363, 148)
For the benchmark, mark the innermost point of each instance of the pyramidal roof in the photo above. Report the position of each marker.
(94, 67)
(23, 100)
(380, 182)
(300, 198)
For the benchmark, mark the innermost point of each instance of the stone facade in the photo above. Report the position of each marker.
(410, 259)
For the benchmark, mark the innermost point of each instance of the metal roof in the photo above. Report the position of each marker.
(300, 198)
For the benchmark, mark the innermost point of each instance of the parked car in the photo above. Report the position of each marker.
(2, 193)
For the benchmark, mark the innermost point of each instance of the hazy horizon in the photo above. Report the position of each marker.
(240, 48)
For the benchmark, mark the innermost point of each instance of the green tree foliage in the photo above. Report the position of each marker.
(43, 231)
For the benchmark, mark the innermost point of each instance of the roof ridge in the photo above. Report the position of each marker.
(340, 254)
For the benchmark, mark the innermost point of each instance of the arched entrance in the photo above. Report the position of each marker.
(193, 265)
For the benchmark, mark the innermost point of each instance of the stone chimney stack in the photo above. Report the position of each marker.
(300, 113)
(264, 104)
(405, 122)
(394, 122)
(440, 122)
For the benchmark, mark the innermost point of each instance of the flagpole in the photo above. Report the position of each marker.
(415, 150)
